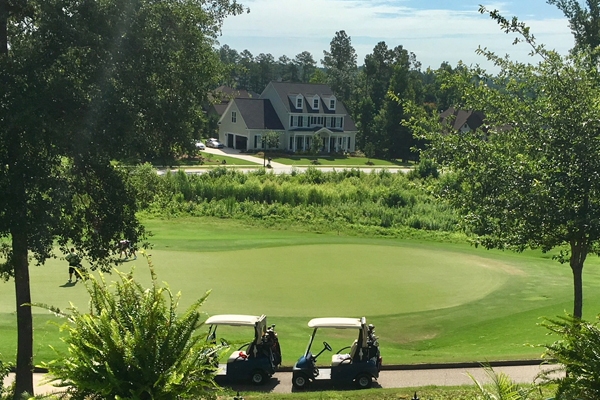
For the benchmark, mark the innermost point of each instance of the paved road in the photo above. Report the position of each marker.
(282, 381)
(278, 168)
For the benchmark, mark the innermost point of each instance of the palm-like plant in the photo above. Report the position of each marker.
(577, 356)
(133, 345)
(501, 387)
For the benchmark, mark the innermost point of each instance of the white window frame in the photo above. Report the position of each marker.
(299, 102)
(332, 104)
(315, 103)
(234, 117)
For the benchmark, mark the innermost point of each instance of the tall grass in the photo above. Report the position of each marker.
(343, 200)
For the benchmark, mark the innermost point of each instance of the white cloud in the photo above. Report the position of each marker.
(291, 26)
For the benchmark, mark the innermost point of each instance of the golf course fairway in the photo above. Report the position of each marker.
(430, 302)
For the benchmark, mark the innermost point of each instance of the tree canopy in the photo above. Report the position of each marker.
(528, 178)
(85, 83)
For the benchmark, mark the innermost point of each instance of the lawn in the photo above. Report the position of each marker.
(214, 160)
(337, 161)
(430, 302)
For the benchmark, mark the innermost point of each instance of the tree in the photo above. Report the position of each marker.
(306, 64)
(531, 179)
(288, 70)
(316, 144)
(266, 70)
(340, 65)
(84, 83)
(271, 141)
(584, 22)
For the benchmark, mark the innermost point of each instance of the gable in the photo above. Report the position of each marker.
(258, 114)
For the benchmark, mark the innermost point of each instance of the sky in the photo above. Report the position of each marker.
(435, 30)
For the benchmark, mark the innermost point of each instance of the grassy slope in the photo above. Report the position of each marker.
(429, 301)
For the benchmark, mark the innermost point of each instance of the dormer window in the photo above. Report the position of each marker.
(332, 104)
(299, 102)
(315, 105)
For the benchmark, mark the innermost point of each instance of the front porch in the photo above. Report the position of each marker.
(333, 142)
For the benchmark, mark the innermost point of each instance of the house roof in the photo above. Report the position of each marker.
(288, 91)
(258, 114)
(473, 119)
(223, 94)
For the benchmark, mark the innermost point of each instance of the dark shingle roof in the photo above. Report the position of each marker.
(474, 119)
(258, 114)
(308, 90)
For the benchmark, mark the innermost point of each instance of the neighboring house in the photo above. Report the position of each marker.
(223, 95)
(462, 120)
(297, 111)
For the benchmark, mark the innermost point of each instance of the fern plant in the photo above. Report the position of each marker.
(501, 387)
(132, 344)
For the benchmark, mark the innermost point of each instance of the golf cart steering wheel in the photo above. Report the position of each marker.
(327, 346)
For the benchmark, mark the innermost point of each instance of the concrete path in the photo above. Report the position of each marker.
(278, 168)
(413, 378)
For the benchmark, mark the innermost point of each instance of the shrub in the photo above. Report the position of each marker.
(502, 387)
(577, 351)
(133, 345)
(5, 392)
(425, 169)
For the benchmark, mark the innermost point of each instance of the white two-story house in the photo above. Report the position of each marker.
(297, 111)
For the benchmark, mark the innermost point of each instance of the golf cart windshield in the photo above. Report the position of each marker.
(338, 323)
(259, 324)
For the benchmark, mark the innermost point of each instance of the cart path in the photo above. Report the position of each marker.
(282, 381)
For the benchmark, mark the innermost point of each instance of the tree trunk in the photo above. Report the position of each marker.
(3, 27)
(24, 378)
(578, 255)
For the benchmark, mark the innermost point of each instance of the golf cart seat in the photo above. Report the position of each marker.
(237, 355)
(337, 359)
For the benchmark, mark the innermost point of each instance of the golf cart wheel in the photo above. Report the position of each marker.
(363, 381)
(300, 381)
(259, 377)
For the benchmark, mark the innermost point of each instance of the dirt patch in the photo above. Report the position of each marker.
(496, 265)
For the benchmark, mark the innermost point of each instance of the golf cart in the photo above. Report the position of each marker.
(255, 361)
(361, 364)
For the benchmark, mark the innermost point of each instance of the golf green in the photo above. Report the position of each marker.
(301, 281)
(333, 279)
(430, 301)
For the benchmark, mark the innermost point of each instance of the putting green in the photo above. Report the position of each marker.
(305, 280)
(333, 279)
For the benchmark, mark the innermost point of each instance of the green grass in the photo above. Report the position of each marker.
(337, 161)
(424, 393)
(214, 160)
(430, 302)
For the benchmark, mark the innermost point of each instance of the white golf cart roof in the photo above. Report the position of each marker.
(338, 323)
(234, 320)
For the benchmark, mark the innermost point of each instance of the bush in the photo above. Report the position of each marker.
(132, 345)
(577, 350)
(5, 392)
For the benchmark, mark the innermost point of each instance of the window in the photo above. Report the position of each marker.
(300, 121)
(316, 103)
(257, 140)
(333, 122)
(291, 143)
(291, 120)
(298, 102)
(233, 116)
(332, 104)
